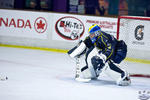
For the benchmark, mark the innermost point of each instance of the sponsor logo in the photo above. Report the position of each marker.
(69, 28)
(139, 35)
(144, 95)
(139, 32)
(40, 24)
(16, 23)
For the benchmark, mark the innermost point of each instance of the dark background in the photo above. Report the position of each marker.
(86, 7)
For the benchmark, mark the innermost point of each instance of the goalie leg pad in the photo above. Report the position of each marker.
(90, 54)
(122, 78)
(77, 50)
(86, 73)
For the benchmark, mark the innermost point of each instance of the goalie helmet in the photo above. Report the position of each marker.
(94, 31)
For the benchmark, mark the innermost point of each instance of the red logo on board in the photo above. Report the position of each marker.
(69, 28)
(40, 25)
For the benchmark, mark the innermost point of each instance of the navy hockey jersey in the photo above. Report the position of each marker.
(109, 46)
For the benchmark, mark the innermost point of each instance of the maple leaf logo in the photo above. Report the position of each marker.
(40, 25)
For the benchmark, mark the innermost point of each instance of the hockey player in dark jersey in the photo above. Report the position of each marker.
(102, 52)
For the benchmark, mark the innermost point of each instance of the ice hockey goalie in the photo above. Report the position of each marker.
(102, 52)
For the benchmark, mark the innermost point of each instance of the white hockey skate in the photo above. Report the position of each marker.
(125, 80)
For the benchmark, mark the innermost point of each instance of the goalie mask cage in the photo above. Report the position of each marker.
(135, 31)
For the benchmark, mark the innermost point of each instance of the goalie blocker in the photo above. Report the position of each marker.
(102, 53)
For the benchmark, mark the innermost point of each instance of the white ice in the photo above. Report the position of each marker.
(43, 75)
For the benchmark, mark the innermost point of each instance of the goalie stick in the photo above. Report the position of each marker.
(77, 69)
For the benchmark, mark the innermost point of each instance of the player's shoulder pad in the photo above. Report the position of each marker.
(88, 42)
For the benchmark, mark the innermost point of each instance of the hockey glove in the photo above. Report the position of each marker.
(102, 57)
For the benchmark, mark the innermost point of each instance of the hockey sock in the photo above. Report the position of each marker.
(115, 68)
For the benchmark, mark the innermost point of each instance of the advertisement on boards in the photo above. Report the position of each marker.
(24, 24)
(69, 27)
(139, 35)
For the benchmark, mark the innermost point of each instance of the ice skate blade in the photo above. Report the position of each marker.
(82, 80)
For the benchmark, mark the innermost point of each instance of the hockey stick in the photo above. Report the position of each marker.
(78, 70)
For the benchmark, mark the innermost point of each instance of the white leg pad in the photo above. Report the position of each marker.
(94, 52)
(114, 75)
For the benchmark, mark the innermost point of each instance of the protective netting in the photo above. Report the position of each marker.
(135, 32)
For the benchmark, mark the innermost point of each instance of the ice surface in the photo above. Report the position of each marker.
(43, 75)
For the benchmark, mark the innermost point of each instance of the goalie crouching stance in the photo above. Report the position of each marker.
(102, 52)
